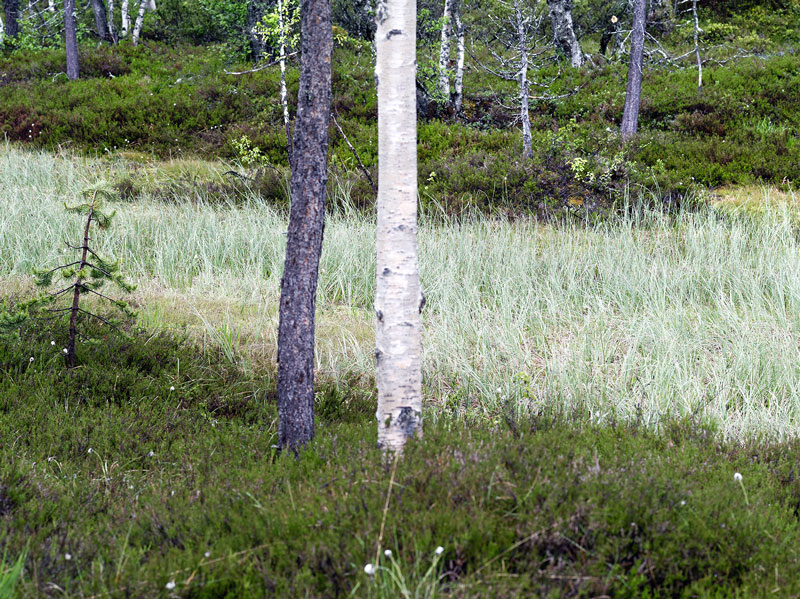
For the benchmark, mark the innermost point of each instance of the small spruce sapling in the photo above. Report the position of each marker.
(88, 274)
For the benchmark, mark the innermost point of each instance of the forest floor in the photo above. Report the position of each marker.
(592, 390)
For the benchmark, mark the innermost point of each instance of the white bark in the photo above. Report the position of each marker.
(126, 19)
(398, 298)
(458, 84)
(51, 5)
(112, 28)
(137, 28)
(524, 114)
(444, 49)
(697, 45)
(2, 30)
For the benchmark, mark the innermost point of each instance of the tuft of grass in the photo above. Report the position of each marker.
(10, 575)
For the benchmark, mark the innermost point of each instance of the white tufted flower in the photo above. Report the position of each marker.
(369, 569)
(737, 477)
(439, 550)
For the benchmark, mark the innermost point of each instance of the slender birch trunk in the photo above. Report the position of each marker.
(71, 39)
(458, 84)
(2, 30)
(126, 19)
(697, 45)
(51, 5)
(284, 95)
(306, 222)
(137, 27)
(398, 298)
(444, 49)
(564, 32)
(524, 114)
(112, 28)
(633, 95)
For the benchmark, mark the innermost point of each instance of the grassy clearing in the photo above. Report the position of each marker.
(150, 472)
(647, 319)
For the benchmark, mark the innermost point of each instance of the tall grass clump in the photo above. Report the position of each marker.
(643, 318)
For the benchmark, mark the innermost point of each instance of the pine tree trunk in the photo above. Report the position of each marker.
(398, 298)
(137, 27)
(527, 142)
(70, 39)
(633, 95)
(100, 20)
(12, 17)
(284, 94)
(444, 49)
(256, 9)
(112, 29)
(563, 31)
(458, 84)
(126, 19)
(306, 222)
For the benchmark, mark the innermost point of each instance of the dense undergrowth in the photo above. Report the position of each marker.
(161, 100)
(153, 463)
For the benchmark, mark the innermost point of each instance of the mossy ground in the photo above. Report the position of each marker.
(154, 462)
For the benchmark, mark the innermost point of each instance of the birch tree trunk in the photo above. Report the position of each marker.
(697, 45)
(306, 222)
(12, 17)
(527, 142)
(398, 298)
(458, 84)
(284, 95)
(144, 6)
(126, 19)
(563, 31)
(444, 49)
(100, 20)
(51, 5)
(633, 95)
(71, 39)
(112, 29)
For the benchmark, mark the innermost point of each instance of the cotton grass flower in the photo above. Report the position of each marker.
(369, 570)
(388, 553)
(439, 550)
(68, 556)
(170, 585)
(737, 477)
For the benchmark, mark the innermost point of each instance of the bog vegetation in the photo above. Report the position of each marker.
(610, 354)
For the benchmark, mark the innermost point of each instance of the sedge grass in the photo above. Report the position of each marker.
(651, 318)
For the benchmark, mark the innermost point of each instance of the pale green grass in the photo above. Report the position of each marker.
(696, 315)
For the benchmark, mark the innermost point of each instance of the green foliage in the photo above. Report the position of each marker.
(149, 467)
(10, 575)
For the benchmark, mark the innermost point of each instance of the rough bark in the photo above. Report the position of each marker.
(444, 49)
(100, 19)
(306, 222)
(524, 114)
(12, 17)
(563, 32)
(71, 39)
(633, 95)
(398, 298)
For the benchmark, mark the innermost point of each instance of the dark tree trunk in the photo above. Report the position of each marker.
(100, 19)
(256, 9)
(633, 96)
(563, 31)
(70, 39)
(12, 17)
(306, 221)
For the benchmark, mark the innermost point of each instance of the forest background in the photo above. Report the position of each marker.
(611, 365)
